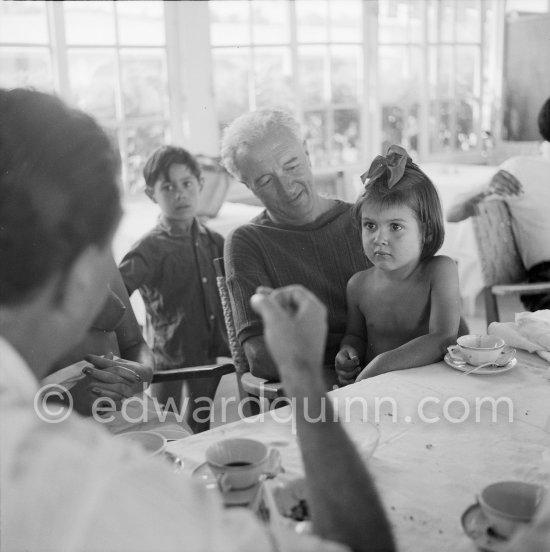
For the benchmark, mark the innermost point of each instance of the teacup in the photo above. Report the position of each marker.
(476, 349)
(509, 504)
(239, 463)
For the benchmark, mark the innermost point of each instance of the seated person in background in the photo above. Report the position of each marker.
(172, 267)
(119, 366)
(300, 238)
(69, 486)
(115, 331)
(523, 182)
(405, 310)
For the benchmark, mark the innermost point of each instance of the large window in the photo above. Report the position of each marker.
(359, 74)
(302, 56)
(108, 58)
(433, 61)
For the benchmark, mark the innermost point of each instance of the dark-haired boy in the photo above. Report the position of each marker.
(172, 267)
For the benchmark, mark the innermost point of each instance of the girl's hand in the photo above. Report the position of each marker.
(347, 365)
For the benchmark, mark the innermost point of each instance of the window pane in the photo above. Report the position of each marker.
(231, 74)
(447, 25)
(23, 22)
(440, 122)
(467, 21)
(143, 83)
(464, 137)
(345, 73)
(141, 141)
(92, 77)
(312, 20)
(141, 23)
(400, 74)
(229, 22)
(270, 22)
(316, 124)
(441, 72)
(467, 71)
(26, 67)
(345, 139)
(89, 22)
(400, 21)
(312, 64)
(432, 14)
(273, 80)
(346, 21)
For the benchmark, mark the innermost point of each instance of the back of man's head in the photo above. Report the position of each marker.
(249, 129)
(58, 190)
(544, 120)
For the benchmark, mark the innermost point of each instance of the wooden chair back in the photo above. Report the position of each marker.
(498, 252)
(248, 384)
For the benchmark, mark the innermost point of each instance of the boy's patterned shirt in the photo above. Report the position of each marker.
(174, 272)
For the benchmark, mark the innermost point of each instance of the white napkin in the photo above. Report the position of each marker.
(530, 331)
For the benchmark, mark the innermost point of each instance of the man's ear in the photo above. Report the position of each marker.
(150, 192)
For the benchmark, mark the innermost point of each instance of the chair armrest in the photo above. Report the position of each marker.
(260, 387)
(525, 288)
(206, 371)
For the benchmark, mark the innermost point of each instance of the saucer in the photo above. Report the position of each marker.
(487, 371)
(477, 527)
(240, 497)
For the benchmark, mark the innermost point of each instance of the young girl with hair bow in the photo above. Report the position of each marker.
(404, 311)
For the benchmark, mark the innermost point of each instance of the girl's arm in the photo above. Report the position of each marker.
(352, 348)
(443, 326)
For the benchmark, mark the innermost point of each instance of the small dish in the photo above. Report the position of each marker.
(477, 527)
(153, 443)
(487, 371)
(241, 497)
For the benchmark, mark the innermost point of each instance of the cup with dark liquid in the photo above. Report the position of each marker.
(239, 463)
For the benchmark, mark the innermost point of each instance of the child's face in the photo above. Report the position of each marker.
(178, 197)
(392, 237)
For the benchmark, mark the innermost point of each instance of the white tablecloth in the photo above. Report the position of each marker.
(428, 473)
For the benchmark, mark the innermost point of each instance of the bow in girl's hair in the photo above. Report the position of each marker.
(394, 163)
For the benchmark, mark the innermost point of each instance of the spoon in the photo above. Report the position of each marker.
(486, 364)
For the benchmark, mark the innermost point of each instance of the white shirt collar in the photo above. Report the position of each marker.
(16, 378)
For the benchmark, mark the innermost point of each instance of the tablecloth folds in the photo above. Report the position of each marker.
(530, 331)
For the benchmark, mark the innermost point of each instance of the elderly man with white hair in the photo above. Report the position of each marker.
(300, 238)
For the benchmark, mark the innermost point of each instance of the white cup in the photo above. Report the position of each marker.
(476, 349)
(508, 505)
(239, 463)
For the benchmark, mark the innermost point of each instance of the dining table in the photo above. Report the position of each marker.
(442, 437)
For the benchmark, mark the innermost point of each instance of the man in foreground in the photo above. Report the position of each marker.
(69, 485)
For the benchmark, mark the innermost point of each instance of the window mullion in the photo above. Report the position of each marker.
(295, 64)
(424, 108)
(58, 48)
(121, 126)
